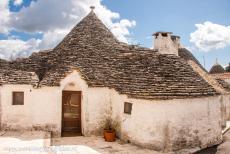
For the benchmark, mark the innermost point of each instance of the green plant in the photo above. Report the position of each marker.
(110, 125)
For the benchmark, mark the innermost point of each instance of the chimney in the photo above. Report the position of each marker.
(166, 43)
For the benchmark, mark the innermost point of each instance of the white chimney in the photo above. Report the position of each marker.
(166, 43)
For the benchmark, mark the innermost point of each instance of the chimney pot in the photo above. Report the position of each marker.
(166, 43)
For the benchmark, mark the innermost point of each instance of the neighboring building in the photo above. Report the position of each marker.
(158, 98)
(221, 74)
(216, 69)
(227, 69)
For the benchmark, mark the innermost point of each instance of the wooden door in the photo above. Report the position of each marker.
(71, 112)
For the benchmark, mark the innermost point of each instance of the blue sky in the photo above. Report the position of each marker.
(177, 16)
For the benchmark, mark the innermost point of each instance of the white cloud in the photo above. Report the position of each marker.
(18, 2)
(4, 16)
(45, 16)
(54, 19)
(51, 38)
(121, 31)
(209, 36)
(13, 48)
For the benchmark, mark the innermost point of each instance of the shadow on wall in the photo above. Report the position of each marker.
(211, 150)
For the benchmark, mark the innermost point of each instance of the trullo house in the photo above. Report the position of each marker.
(159, 98)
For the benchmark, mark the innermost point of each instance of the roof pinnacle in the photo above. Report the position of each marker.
(92, 8)
(217, 61)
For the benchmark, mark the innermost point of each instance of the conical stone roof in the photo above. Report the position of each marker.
(89, 31)
(103, 61)
(187, 55)
(216, 69)
(227, 69)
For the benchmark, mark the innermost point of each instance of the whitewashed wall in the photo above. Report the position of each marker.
(165, 45)
(227, 80)
(173, 124)
(163, 125)
(0, 107)
(225, 107)
(95, 104)
(41, 109)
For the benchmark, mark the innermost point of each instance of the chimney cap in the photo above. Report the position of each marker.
(161, 32)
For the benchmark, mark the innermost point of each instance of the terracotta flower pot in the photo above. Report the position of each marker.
(110, 135)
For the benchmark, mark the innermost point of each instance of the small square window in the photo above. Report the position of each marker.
(18, 98)
(128, 108)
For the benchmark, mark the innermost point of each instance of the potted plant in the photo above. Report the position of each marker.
(109, 132)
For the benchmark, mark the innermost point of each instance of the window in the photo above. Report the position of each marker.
(128, 108)
(18, 98)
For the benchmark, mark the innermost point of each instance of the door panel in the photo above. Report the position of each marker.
(71, 111)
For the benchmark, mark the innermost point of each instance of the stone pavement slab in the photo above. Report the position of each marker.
(97, 145)
(38, 142)
(21, 142)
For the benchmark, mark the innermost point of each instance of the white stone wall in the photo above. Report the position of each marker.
(165, 45)
(168, 125)
(173, 124)
(95, 104)
(160, 124)
(41, 109)
(0, 107)
(225, 108)
(227, 80)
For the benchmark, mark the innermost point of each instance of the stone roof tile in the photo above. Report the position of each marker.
(224, 84)
(103, 61)
(12, 76)
(187, 55)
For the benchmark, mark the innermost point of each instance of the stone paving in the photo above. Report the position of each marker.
(24, 142)
(40, 143)
(224, 148)
(97, 145)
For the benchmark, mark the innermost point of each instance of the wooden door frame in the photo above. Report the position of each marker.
(62, 114)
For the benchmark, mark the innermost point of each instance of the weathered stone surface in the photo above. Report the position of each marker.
(103, 61)
(187, 55)
(224, 84)
(13, 76)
